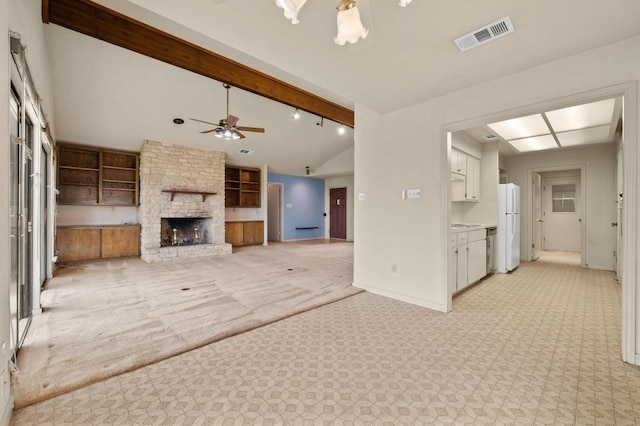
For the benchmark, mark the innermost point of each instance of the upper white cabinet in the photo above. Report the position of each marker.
(458, 162)
(465, 177)
(472, 184)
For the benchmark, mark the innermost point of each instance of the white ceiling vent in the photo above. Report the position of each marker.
(487, 33)
(245, 151)
(489, 137)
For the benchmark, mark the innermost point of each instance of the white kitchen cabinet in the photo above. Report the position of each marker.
(477, 255)
(470, 257)
(472, 182)
(462, 256)
(458, 162)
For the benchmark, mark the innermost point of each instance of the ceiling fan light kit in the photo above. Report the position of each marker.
(227, 128)
(350, 28)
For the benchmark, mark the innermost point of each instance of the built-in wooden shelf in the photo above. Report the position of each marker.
(173, 192)
(95, 176)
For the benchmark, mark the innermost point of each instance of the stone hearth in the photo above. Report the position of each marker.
(175, 167)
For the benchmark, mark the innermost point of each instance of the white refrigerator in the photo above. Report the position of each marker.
(508, 235)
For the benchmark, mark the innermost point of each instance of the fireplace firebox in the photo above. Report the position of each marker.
(185, 231)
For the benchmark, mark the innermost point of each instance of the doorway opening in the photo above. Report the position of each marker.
(274, 212)
(558, 214)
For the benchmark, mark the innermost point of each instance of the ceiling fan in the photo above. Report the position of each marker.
(226, 127)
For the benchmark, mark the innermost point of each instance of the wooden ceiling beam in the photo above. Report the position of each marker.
(97, 21)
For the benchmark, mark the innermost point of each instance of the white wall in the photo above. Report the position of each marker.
(339, 182)
(600, 196)
(414, 233)
(96, 215)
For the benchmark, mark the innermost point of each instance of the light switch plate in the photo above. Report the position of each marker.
(289, 205)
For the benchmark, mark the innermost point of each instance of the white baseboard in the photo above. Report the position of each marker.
(403, 298)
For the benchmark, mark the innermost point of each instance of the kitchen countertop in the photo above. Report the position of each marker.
(466, 227)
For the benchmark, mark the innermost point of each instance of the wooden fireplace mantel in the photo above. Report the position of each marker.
(173, 192)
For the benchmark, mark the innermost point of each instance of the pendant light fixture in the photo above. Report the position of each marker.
(350, 27)
(291, 8)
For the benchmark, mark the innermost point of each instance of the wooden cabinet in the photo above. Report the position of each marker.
(77, 243)
(90, 176)
(244, 233)
(242, 187)
(120, 241)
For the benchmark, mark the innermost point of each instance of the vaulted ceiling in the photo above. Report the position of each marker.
(108, 96)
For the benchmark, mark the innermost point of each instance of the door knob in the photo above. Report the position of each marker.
(540, 220)
(614, 223)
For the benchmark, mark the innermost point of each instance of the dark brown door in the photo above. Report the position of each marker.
(338, 213)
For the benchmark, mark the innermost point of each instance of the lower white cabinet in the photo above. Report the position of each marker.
(470, 253)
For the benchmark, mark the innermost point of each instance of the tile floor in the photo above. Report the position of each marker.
(538, 346)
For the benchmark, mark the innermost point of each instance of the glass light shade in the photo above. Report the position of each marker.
(291, 8)
(537, 143)
(350, 28)
(235, 135)
(219, 133)
(404, 3)
(227, 134)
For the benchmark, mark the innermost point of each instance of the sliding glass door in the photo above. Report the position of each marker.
(22, 134)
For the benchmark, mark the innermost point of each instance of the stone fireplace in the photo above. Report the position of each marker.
(181, 189)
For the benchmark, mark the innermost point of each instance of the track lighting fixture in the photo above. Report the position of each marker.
(296, 114)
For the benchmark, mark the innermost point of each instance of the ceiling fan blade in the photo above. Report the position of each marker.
(209, 131)
(250, 129)
(240, 134)
(202, 121)
(232, 120)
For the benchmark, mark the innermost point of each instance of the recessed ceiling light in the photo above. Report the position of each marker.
(178, 121)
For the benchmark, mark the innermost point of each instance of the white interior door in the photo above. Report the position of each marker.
(562, 215)
(619, 207)
(537, 216)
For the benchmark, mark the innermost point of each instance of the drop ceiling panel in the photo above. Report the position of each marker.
(584, 136)
(537, 143)
(523, 127)
(582, 116)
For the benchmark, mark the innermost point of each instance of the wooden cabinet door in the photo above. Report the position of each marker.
(233, 233)
(75, 244)
(120, 241)
(253, 233)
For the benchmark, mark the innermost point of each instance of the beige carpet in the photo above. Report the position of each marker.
(105, 318)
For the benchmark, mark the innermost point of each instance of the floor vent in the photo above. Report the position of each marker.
(487, 33)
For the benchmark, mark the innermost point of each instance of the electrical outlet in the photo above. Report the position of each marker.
(413, 193)
(362, 196)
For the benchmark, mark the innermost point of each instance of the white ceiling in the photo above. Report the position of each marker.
(107, 96)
